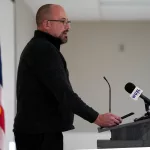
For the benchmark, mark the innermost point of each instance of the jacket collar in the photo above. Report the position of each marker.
(55, 41)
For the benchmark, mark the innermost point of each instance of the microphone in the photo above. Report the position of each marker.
(109, 94)
(135, 92)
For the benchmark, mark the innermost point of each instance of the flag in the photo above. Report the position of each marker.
(2, 118)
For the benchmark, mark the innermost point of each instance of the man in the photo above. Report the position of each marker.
(46, 102)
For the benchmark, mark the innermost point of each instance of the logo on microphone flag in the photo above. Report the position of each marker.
(136, 93)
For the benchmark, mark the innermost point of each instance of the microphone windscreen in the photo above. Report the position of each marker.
(129, 87)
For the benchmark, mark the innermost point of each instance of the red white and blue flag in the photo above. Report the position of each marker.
(2, 117)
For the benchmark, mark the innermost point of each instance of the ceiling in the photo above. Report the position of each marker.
(94, 10)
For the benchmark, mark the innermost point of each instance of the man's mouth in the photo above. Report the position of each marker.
(65, 34)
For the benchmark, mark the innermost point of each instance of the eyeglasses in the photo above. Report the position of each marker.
(62, 21)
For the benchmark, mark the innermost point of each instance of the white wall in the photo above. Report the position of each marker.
(86, 140)
(93, 52)
(25, 26)
(8, 64)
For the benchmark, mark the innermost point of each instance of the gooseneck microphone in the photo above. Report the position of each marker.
(109, 94)
(136, 92)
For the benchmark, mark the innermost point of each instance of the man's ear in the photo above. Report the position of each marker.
(46, 24)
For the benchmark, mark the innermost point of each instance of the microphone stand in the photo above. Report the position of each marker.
(109, 94)
(146, 115)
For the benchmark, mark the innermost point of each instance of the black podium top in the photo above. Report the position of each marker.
(139, 130)
(124, 125)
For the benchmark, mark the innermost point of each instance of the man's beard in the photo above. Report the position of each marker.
(63, 37)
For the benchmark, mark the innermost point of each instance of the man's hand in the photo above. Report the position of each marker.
(108, 120)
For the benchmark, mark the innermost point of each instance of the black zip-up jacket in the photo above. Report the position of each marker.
(46, 101)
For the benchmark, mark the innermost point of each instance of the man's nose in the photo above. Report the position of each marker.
(67, 27)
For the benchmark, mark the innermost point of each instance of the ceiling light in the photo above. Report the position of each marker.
(125, 2)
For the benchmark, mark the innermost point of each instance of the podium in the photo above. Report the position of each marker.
(135, 134)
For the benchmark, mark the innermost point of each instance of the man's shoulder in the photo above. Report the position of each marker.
(39, 42)
(40, 47)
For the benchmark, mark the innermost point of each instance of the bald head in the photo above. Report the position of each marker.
(52, 18)
(43, 13)
(46, 12)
